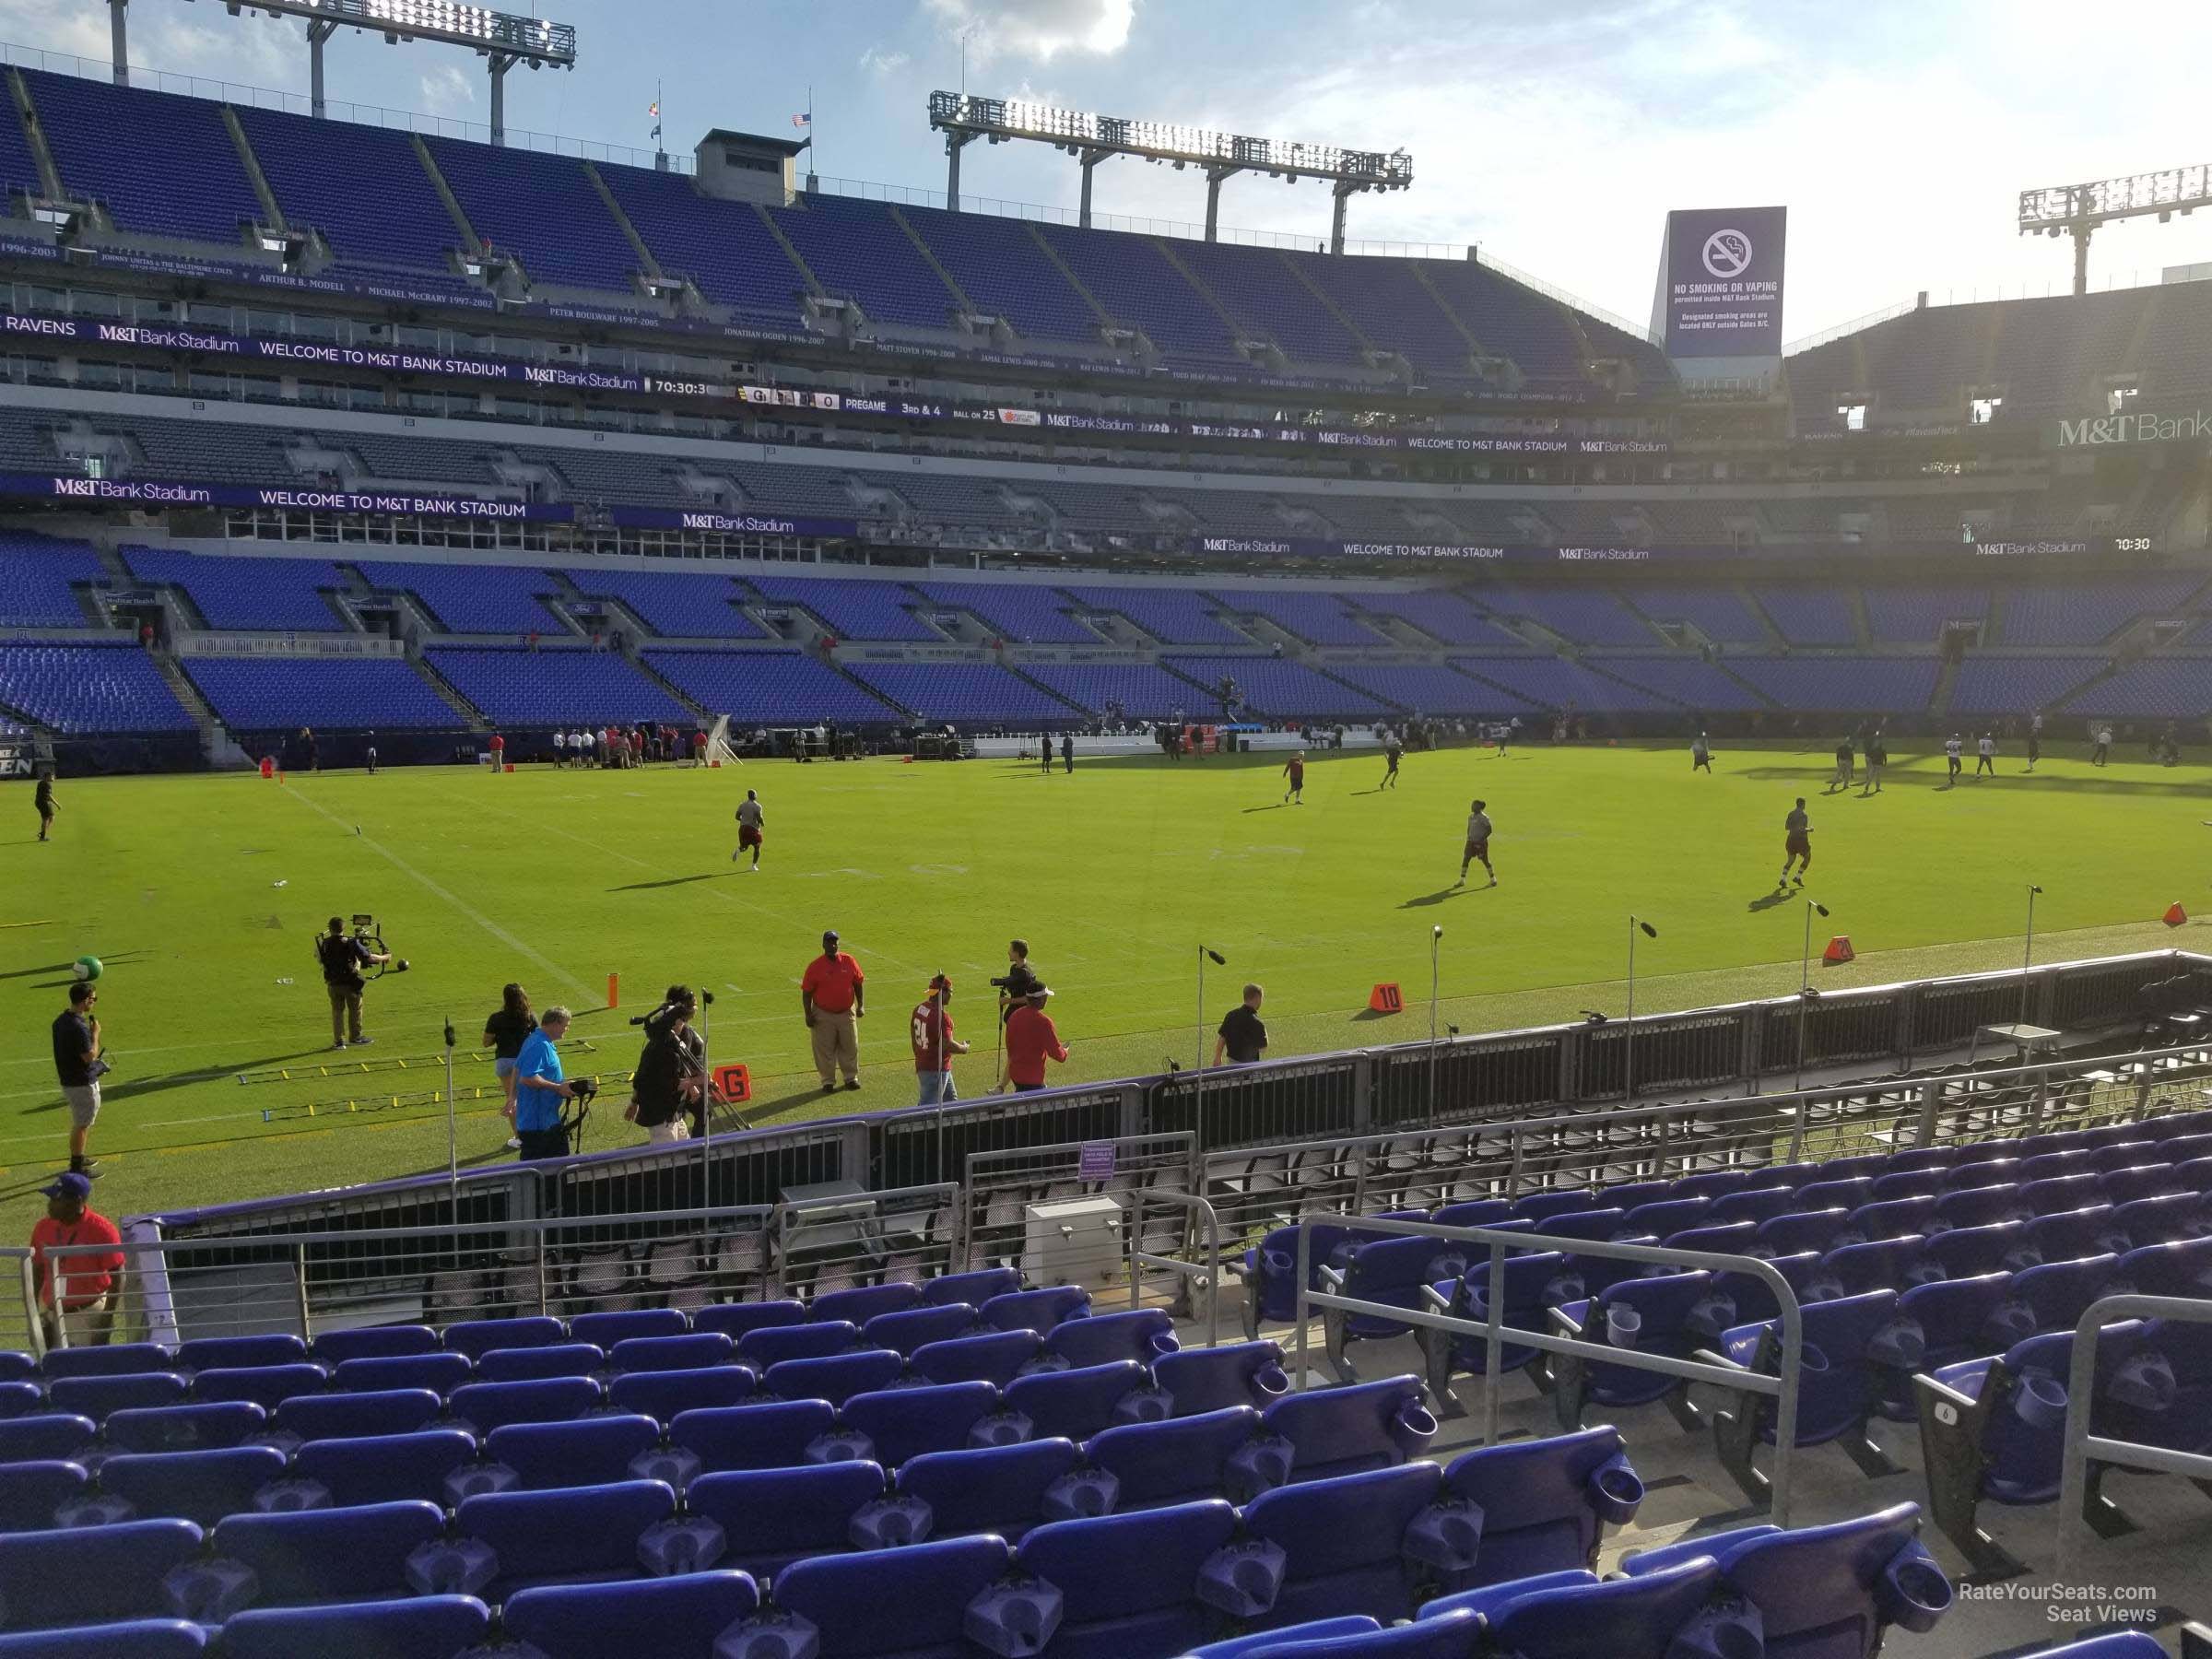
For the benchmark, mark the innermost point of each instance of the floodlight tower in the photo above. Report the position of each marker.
(500, 38)
(1092, 138)
(2077, 210)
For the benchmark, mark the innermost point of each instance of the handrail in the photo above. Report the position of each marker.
(1209, 1273)
(2081, 1446)
(1783, 1386)
(143, 1256)
(1135, 1089)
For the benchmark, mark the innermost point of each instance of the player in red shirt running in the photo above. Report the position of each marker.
(930, 1032)
(1296, 767)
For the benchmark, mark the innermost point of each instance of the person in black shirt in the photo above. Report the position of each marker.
(1243, 1035)
(669, 1085)
(1019, 982)
(76, 1067)
(504, 1033)
(43, 800)
(343, 957)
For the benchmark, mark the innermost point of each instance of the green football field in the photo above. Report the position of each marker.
(202, 894)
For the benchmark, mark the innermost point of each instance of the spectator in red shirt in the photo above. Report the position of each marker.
(935, 1045)
(87, 1281)
(1030, 1040)
(832, 995)
(498, 753)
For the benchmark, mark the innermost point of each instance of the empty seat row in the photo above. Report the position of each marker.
(1135, 1454)
(1374, 1540)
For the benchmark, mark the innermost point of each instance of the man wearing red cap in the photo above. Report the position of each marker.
(930, 1031)
(87, 1281)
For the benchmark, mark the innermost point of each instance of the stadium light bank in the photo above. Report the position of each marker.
(2077, 210)
(1092, 138)
(501, 39)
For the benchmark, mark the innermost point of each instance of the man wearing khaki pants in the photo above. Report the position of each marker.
(832, 996)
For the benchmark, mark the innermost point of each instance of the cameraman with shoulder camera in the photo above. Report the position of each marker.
(670, 1083)
(540, 1088)
(1018, 982)
(343, 957)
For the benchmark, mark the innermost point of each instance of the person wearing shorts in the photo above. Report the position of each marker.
(76, 1067)
(1295, 770)
(1796, 844)
(1478, 843)
(505, 1032)
(751, 829)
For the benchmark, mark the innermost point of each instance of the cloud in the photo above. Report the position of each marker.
(253, 48)
(446, 90)
(1040, 29)
(877, 62)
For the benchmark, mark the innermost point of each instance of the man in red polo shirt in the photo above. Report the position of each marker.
(832, 995)
(87, 1280)
(1030, 1040)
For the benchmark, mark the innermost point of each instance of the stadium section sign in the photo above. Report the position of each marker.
(1720, 282)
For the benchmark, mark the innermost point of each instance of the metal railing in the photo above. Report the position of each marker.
(1538, 1074)
(2082, 1446)
(1782, 1387)
(305, 1282)
(1194, 1278)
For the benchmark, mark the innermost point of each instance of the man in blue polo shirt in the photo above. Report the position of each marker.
(540, 1088)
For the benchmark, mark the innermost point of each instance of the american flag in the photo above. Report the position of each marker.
(806, 120)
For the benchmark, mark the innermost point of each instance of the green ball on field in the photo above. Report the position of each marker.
(89, 967)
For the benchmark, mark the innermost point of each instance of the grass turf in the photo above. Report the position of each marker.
(202, 894)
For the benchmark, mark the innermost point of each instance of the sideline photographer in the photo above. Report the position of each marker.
(541, 1088)
(1019, 982)
(343, 957)
(670, 1084)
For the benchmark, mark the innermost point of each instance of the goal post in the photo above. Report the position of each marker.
(718, 752)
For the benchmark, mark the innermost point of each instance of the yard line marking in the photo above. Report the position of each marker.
(478, 916)
(725, 895)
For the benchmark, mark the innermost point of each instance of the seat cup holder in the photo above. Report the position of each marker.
(2039, 1401)
(1623, 1326)
(1917, 1594)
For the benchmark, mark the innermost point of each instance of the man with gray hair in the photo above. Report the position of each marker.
(540, 1088)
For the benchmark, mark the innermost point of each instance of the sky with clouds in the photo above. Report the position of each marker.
(1553, 134)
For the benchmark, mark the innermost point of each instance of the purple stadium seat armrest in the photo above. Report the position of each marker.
(1243, 1579)
(283, 1497)
(1728, 1629)
(1711, 1316)
(891, 1523)
(1014, 1620)
(1913, 1593)
(1259, 1465)
(1445, 1536)
(682, 1543)
(1081, 1494)
(209, 1592)
(471, 1480)
(1439, 1296)
(1901, 1345)
(771, 1636)
(451, 1567)
(678, 1465)
(1615, 1490)
(2146, 1382)
(1002, 1429)
(1569, 1317)
(840, 1445)
(1144, 1405)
